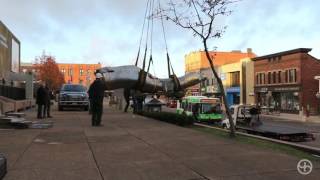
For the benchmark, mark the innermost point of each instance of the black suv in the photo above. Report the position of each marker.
(73, 95)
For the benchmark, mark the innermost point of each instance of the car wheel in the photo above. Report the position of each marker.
(86, 108)
(60, 108)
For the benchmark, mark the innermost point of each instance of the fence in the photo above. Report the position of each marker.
(12, 92)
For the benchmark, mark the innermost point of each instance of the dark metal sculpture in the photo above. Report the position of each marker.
(128, 77)
(135, 82)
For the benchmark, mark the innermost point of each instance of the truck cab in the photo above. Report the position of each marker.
(239, 113)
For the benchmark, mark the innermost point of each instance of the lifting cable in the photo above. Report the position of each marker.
(151, 36)
(170, 68)
(143, 74)
(147, 37)
(142, 32)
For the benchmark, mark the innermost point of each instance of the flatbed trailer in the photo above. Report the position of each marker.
(242, 118)
(277, 132)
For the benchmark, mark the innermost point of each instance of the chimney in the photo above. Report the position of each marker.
(249, 50)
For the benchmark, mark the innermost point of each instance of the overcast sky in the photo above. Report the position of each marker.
(108, 31)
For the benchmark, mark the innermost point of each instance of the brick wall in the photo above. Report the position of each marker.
(287, 62)
(310, 86)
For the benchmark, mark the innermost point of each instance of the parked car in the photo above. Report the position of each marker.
(73, 95)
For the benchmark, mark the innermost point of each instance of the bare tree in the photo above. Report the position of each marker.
(200, 16)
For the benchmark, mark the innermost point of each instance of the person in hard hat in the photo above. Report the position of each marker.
(96, 95)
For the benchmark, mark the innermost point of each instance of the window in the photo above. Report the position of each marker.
(274, 77)
(260, 78)
(231, 110)
(63, 71)
(235, 79)
(269, 77)
(73, 88)
(292, 75)
(286, 76)
(70, 72)
(81, 72)
(279, 77)
(263, 78)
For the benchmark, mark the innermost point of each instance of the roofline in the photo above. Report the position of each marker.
(12, 34)
(293, 51)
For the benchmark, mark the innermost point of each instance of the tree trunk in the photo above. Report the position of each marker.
(232, 126)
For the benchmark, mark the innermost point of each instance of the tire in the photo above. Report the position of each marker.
(86, 108)
(60, 108)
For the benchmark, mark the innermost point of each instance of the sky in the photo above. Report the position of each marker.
(108, 31)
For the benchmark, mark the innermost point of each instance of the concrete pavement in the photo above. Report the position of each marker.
(134, 147)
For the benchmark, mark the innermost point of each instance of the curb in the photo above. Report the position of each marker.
(305, 148)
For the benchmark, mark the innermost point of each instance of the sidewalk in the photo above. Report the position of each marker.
(131, 147)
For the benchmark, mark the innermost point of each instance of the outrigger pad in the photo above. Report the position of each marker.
(3, 166)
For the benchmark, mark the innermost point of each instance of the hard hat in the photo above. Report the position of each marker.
(99, 75)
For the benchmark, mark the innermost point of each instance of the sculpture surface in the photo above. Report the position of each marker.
(128, 77)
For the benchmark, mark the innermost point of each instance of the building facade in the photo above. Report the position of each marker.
(285, 81)
(195, 61)
(9, 52)
(233, 68)
(79, 73)
(236, 79)
(73, 73)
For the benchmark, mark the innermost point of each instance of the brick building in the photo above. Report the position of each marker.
(79, 73)
(285, 81)
(73, 73)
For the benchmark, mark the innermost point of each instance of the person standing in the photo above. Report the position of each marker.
(41, 100)
(96, 95)
(46, 112)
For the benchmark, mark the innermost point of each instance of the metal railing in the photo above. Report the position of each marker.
(11, 92)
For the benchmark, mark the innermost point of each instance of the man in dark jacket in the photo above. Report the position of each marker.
(96, 95)
(46, 112)
(41, 100)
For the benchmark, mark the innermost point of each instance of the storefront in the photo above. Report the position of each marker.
(284, 98)
(193, 92)
(233, 95)
(212, 91)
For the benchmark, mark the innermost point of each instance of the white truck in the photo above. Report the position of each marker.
(238, 113)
